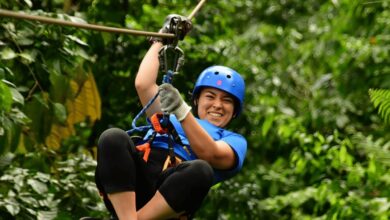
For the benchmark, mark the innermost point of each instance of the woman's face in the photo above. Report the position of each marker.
(215, 106)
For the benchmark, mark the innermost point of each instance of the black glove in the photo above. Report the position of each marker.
(174, 24)
(172, 102)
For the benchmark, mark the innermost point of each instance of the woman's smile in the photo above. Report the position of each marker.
(215, 106)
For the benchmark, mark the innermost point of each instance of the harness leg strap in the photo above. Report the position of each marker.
(145, 147)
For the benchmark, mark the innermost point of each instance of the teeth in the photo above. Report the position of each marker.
(215, 114)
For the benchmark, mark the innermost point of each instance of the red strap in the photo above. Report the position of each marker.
(146, 148)
(155, 120)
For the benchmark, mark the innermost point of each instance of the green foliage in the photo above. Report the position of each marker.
(38, 62)
(6, 97)
(11, 117)
(307, 99)
(66, 192)
(323, 178)
(381, 100)
(316, 149)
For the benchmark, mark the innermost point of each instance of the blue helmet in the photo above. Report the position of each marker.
(225, 79)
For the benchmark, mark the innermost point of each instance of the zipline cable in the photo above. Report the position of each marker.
(200, 4)
(7, 13)
(18, 15)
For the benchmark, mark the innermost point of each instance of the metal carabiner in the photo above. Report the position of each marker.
(171, 58)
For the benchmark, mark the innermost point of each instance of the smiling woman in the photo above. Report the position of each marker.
(172, 177)
(215, 106)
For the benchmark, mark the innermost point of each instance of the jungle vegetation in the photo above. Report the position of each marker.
(316, 114)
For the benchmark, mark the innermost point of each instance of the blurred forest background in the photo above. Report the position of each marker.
(316, 117)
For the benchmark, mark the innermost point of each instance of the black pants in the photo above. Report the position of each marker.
(120, 168)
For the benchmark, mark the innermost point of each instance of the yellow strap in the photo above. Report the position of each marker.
(168, 163)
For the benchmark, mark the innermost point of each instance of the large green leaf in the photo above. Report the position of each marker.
(5, 97)
(7, 54)
(85, 106)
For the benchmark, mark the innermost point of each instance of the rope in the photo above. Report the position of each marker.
(145, 127)
(166, 79)
(11, 14)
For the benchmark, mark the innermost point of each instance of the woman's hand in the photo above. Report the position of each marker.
(171, 101)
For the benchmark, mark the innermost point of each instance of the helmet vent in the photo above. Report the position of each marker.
(216, 72)
(229, 76)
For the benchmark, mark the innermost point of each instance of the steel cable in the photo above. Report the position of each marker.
(19, 15)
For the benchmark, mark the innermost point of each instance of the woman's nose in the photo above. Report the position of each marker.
(217, 103)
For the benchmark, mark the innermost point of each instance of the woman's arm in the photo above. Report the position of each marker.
(145, 81)
(218, 153)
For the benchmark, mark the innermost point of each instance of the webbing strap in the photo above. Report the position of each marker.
(145, 147)
(161, 125)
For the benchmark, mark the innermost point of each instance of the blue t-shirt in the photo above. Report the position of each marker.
(236, 141)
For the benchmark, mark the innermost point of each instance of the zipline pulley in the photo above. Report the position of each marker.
(171, 57)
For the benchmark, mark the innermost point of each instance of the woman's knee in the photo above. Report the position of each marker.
(114, 138)
(111, 136)
(202, 170)
(188, 185)
(116, 169)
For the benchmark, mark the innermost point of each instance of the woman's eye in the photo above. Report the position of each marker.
(228, 100)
